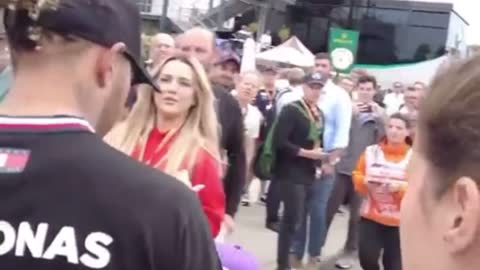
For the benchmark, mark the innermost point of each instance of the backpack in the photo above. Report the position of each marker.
(265, 155)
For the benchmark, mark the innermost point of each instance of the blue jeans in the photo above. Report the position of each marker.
(316, 209)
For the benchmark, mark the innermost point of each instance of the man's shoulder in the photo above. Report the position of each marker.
(117, 175)
(225, 97)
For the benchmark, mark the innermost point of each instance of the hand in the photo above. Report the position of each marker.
(395, 187)
(360, 107)
(376, 109)
(229, 223)
(327, 169)
(184, 177)
(317, 153)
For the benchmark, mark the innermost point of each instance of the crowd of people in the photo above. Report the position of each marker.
(108, 162)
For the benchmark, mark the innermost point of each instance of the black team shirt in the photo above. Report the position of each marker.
(69, 201)
(232, 140)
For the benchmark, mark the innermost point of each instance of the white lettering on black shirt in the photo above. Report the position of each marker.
(64, 244)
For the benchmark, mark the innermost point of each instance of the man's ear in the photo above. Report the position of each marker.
(464, 216)
(106, 62)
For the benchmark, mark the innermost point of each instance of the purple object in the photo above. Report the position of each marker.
(233, 257)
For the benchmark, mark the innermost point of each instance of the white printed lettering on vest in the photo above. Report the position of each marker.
(64, 244)
(33, 241)
(8, 233)
(96, 243)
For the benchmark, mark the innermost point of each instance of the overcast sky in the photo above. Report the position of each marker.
(468, 9)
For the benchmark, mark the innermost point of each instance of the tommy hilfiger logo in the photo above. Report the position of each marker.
(13, 160)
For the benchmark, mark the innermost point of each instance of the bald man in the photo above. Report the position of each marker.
(200, 43)
(162, 46)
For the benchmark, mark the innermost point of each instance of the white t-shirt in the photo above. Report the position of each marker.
(393, 102)
(252, 121)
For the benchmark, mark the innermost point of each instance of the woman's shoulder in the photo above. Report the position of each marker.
(206, 164)
(205, 156)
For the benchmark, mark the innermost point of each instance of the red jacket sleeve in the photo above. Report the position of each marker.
(207, 172)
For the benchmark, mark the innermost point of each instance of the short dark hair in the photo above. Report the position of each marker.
(367, 79)
(322, 56)
(448, 125)
(402, 117)
(408, 124)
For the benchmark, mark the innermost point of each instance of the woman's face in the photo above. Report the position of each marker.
(397, 131)
(176, 81)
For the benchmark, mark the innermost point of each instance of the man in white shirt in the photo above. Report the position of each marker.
(246, 88)
(293, 92)
(394, 100)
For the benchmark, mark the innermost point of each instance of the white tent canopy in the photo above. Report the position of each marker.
(406, 73)
(291, 52)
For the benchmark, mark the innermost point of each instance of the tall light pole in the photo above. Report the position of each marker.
(221, 17)
(265, 8)
(164, 19)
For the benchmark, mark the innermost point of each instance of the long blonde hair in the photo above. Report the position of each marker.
(199, 131)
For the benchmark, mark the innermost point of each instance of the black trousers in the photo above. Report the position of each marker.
(343, 190)
(294, 197)
(375, 237)
(273, 201)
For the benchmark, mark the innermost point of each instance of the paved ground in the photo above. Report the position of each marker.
(251, 235)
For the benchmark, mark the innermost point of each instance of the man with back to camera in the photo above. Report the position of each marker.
(67, 200)
(200, 43)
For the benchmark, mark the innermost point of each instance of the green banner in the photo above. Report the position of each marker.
(342, 47)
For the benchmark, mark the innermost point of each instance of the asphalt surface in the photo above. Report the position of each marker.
(252, 236)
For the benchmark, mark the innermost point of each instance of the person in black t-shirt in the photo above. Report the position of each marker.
(297, 142)
(68, 201)
(200, 43)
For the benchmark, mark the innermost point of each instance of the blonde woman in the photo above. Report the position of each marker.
(176, 132)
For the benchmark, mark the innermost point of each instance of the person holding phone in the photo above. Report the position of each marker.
(380, 177)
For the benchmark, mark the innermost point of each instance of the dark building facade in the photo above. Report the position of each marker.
(390, 31)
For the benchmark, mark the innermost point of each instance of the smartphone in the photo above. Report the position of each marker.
(366, 108)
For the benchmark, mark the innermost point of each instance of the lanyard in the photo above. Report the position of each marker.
(158, 149)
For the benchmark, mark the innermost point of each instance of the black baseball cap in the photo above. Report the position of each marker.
(315, 78)
(103, 22)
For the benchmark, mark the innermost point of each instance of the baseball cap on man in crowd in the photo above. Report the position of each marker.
(315, 78)
(103, 22)
(229, 56)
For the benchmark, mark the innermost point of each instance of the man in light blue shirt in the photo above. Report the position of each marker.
(6, 77)
(6, 71)
(336, 106)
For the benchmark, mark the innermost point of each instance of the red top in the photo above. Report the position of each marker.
(206, 171)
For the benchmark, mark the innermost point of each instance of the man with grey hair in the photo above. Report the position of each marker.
(200, 43)
(161, 47)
